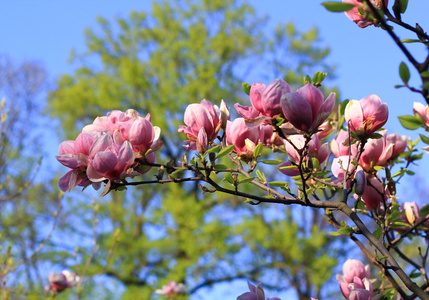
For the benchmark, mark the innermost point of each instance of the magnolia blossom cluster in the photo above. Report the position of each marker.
(58, 282)
(304, 126)
(110, 149)
(303, 111)
(355, 282)
(172, 289)
(378, 152)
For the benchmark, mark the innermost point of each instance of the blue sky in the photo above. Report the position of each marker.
(367, 59)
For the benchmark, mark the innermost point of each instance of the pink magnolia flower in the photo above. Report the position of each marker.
(354, 267)
(359, 289)
(109, 160)
(61, 281)
(315, 149)
(366, 116)
(340, 145)
(74, 155)
(399, 144)
(243, 137)
(422, 111)
(265, 100)
(373, 195)
(172, 289)
(376, 152)
(128, 126)
(306, 109)
(256, 293)
(355, 276)
(362, 20)
(270, 137)
(197, 116)
(325, 129)
(340, 167)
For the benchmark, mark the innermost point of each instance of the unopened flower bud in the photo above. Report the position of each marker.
(202, 141)
(411, 211)
(250, 146)
(224, 114)
(360, 182)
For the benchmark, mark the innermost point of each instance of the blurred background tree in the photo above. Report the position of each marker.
(127, 244)
(28, 196)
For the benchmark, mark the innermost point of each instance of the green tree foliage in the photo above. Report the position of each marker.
(159, 62)
(25, 220)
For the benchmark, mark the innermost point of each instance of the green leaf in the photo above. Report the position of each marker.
(214, 149)
(377, 232)
(404, 4)
(246, 88)
(399, 173)
(279, 121)
(426, 85)
(246, 180)
(343, 230)
(404, 73)
(271, 162)
(261, 176)
(228, 178)
(278, 183)
(337, 6)
(220, 167)
(375, 136)
(410, 41)
(424, 211)
(321, 173)
(225, 151)
(319, 77)
(424, 139)
(424, 74)
(258, 150)
(415, 275)
(177, 171)
(343, 106)
(410, 122)
(307, 79)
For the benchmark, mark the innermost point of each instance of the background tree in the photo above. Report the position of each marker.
(25, 220)
(160, 62)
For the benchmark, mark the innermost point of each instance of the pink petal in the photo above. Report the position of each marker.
(314, 97)
(297, 110)
(353, 115)
(246, 112)
(67, 147)
(324, 111)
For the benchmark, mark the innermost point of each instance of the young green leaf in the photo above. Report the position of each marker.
(225, 151)
(337, 6)
(258, 150)
(271, 161)
(214, 149)
(246, 180)
(424, 211)
(246, 88)
(404, 73)
(410, 122)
